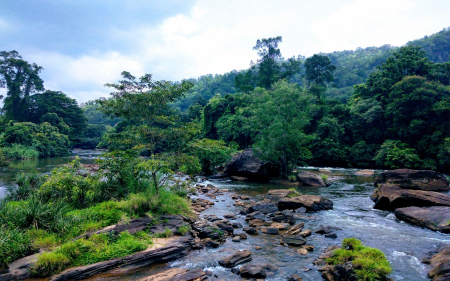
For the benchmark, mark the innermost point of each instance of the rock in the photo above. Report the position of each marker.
(274, 195)
(286, 217)
(236, 239)
(250, 230)
(338, 272)
(179, 274)
(247, 164)
(256, 222)
(440, 263)
(312, 203)
(305, 233)
(326, 229)
(331, 235)
(230, 216)
(278, 226)
(252, 271)
(292, 240)
(173, 250)
(269, 230)
(242, 235)
(226, 227)
(264, 208)
(237, 258)
(19, 269)
(237, 178)
(302, 251)
(391, 197)
(294, 277)
(310, 179)
(299, 226)
(364, 173)
(258, 247)
(244, 197)
(236, 225)
(435, 218)
(309, 248)
(210, 243)
(212, 232)
(414, 179)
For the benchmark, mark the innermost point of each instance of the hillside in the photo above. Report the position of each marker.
(352, 68)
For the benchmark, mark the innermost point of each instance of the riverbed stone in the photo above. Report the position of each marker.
(326, 229)
(252, 271)
(414, 179)
(178, 274)
(391, 197)
(312, 203)
(250, 230)
(264, 208)
(293, 240)
(310, 179)
(436, 218)
(237, 258)
(269, 230)
(305, 233)
(440, 263)
(256, 222)
(236, 239)
(236, 224)
(274, 195)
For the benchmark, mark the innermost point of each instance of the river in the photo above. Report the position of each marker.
(404, 244)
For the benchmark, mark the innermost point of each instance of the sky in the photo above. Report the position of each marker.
(83, 44)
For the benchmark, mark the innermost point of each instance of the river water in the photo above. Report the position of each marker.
(404, 244)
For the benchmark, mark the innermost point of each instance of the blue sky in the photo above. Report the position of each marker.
(84, 44)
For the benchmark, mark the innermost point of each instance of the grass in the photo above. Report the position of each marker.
(166, 234)
(292, 178)
(324, 177)
(184, 229)
(99, 247)
(295, 194)
(20, 152)
(370, 264)
(14, 244)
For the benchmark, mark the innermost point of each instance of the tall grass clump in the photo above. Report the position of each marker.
(14, 244)
(370, 264)
(20, 152)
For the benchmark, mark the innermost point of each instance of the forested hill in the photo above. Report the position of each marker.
(352, 68)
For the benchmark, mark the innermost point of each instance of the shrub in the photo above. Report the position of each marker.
(370, 264)
(49, 263)
(395, 154)
(20, 152)
(324, 177)
(211, 153)
(292, 178)
(14, 244)
(27, 183)
(184, 229)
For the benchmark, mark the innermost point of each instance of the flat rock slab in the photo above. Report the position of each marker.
(274, 195)
(264, 208)
(440, 263)
(434, 218)
(177, 274)
(176, 249)
(236, 259)
(311, 203)
(364, 173)
(293, 240)
(391, 197)
(414, 179)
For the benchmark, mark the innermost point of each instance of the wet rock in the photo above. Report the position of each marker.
(305, 233)
(339, 272)
(236, 259)
(242, 212)
(250, 230)
(236, 239)
(292, 240)
(269, 230)
(311, 203)
(258, 247)
(264, 208)
(391, 197)
(440, 263)
(252, 271)
(237, 178)
(255, 215)
(226, 227)
(294, 277)
(278, 226)
(414, 179)
(236, 225)
(364, 173)
(302, 251)
(210, 232)
(179, 274)
(286, 217)
(244, 197)
(256, 222)
(298, 227)
(301, 210)
(309, 248)
(326, 229)
(434, 218)
(247, 164)
(234, 196)
(242, 235)
(210, 243)
(310, 179)
(331, 235)
(230, 216)
(274, 195)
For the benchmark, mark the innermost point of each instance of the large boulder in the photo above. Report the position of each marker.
(414, 179)
(435, 218)
(274, 195)
(310, 179)
(264, 208)
(440, 263)
(247, 164)
(237, 258)
(311, 203)
(391, 197)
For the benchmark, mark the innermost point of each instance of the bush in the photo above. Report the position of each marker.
(211, 153)
(324, 177)
(395, 154)
(27, 183)
(14, 244)
(20, 152)
(370, 264)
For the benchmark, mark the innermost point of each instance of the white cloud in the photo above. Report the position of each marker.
(218, 36)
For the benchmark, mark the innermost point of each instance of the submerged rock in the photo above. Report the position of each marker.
(414, 179)
(435, 218)
(236, 259)
(247, 164)
(311, 203)
(310, 179)
(391, 197)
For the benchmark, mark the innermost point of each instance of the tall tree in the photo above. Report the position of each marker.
(21, 80)
(318, 73)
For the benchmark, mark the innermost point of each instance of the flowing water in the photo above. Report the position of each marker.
(404, 244)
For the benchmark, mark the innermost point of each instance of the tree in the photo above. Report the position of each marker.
(281, 115)
(64, 107)
(21, 80)
(318, 73)
(211, 153)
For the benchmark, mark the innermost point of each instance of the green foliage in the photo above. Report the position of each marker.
(437, 46)
(211, 153)
(20, 152)
(99, 247)
(14, 244)
(370, 264)
(184, 229)
(185, 163)
(395, 154)
(324, 177)
(4, 160)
